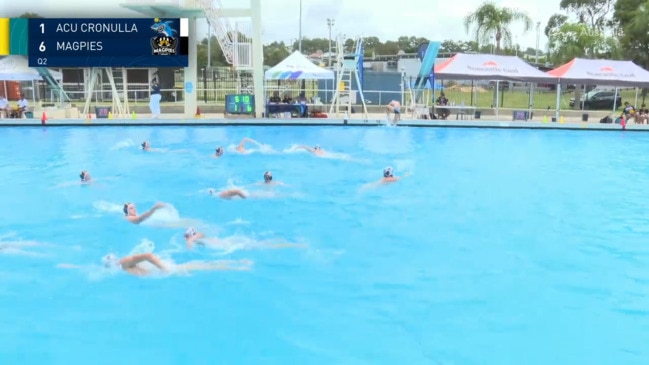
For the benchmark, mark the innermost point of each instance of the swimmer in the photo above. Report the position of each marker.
(145, 146)
(85, 177)
(268, 180)
(218, 152)
(241, 148)
(229, 193)
(192, 237)
(131, 213)
(130, 264)
(394, 107)
(316, 150)
(388, 176)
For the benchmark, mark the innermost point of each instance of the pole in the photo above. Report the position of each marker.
(209, 44)
(538, 40)
(257, 58)
(300, 32)
(330, 24)
(516, 45)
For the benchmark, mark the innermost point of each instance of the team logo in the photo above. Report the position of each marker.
(164, 44)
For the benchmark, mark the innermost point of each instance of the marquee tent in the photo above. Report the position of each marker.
(298, 67)
(464, 66)
(16, 68)
(601, 72)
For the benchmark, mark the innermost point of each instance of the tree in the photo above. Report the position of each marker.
(630, 21)
(630, 17)
(490, 20)
(592, 12)
(275, 53)
(572, 40)
(29, 15)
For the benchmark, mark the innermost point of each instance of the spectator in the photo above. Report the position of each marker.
(4, 107)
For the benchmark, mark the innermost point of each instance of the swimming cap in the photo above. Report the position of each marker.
(190, 232)
(387, 172)
(110, 260)
(268, 176)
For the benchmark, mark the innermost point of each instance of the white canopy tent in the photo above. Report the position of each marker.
(298, 67)
(16, 68)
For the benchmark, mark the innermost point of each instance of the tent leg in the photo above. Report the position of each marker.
(558, 109)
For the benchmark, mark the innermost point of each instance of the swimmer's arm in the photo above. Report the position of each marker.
(131, 261)
(146, 215)
(310, 149)
(248, 140)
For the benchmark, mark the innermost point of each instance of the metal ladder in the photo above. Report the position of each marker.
(119, 109)
(221, 27)
(346, 72)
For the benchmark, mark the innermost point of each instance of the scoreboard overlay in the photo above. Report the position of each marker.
(97, 42)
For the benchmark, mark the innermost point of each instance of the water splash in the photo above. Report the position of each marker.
(261, 148)
(127, 143)
(239, 242)
(108, 207)
(296, 148)
(145, 246)
(238, 221)
(169, 217)
(11, 244)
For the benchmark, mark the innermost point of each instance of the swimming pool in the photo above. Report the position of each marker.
(501, 247)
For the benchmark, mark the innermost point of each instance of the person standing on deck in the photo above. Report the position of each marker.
(154, 100)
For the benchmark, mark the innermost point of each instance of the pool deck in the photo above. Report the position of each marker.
(373, 121)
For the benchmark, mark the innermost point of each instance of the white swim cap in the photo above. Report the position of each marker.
(190, 232)
(110, 260)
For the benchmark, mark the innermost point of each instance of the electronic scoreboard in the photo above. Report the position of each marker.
(70, 42)
(240, 104)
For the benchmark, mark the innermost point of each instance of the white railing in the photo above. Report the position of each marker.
(216, 96)
(221, 27)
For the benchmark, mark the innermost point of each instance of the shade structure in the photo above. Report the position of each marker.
(466, 66)
(298, 67)
(16, 68)
(601, 72)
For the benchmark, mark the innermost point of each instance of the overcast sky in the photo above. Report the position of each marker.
(387, 19)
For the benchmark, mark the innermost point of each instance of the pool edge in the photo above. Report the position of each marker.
(314, 123)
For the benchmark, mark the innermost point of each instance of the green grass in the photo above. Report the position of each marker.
(513, 99)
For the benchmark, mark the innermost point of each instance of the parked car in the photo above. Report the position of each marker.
(598, 100)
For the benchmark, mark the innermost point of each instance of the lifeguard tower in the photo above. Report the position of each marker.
(349, 69)
(242, 52)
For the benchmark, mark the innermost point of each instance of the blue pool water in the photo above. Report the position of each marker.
(501, 247)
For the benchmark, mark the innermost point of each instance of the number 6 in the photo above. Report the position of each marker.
(42, 47)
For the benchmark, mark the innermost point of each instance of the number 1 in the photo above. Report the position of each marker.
(42, 28)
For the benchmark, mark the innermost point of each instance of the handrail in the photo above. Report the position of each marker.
(221, 28)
